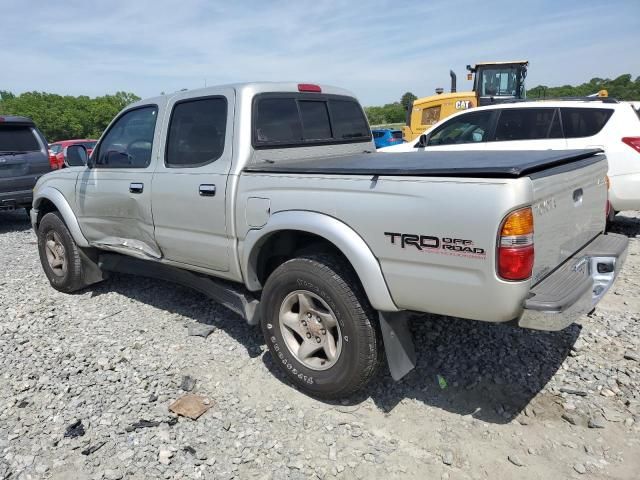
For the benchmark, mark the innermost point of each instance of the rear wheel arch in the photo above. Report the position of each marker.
(294, 233)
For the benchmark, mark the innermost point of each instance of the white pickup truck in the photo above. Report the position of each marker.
(268, 198)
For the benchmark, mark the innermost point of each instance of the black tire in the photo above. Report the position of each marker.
(69, 279)
(328, 277)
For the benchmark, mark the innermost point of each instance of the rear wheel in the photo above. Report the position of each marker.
(59, 254)
(319, 326)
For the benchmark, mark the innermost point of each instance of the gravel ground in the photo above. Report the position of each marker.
(515, 403)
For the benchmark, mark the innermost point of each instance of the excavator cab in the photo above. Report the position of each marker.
(495, 82)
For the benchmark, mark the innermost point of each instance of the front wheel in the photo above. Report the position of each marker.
(59, 254)
(320, 327)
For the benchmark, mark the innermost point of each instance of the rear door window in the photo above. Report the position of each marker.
(397, 134)
(584, 122)
(524, 124)
(468, 128)
(18, 138)
(293, 120)
(196, 132)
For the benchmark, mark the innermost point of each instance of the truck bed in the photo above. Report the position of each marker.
(472, 164)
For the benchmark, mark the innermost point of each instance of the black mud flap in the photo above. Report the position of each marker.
(398, 343)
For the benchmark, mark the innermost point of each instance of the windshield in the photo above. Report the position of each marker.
(55, 148)
(499, 81)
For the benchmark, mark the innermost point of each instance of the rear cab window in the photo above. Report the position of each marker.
(282, 120)
(584, 122)
(18, 139)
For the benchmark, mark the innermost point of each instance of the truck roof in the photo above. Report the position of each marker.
(248, 88)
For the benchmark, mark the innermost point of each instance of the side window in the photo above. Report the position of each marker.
(196, 132)
(277, 121)
(431, 115)
(555, 130)
(524, 124)
(468, 128)
(128, 142)
(584, 122)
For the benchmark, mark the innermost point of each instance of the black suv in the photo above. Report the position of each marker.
(23, 159)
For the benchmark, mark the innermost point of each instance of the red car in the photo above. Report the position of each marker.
(58, 150)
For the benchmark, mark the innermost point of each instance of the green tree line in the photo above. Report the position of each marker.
(620, 88)
(64, 117)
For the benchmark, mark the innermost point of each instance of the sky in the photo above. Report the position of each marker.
(377, 49)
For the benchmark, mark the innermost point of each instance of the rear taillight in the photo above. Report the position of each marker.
(515, 245)
(53, 161)
(607, 205)
(633, 142)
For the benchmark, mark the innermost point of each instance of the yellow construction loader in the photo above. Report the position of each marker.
(493, 82)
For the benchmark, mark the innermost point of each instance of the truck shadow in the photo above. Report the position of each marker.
(489, 371)
(189, 306)
(14, 221)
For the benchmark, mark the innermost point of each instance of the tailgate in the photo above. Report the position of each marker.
(569, 205)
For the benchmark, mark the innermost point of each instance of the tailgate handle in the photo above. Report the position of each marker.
(577, 196)
(136, 187)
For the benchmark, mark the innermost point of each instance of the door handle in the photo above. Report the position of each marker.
(207, 190)
(136, 187)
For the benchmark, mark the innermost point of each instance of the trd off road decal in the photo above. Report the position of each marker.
(444, 245)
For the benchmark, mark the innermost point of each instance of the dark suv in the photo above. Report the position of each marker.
(23, 159)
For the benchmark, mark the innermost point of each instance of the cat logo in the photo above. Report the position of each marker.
(463, 104)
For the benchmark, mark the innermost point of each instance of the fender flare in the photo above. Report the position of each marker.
(61, 203)
(352, 246)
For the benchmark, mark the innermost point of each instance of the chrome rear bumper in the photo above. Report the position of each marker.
(577, 286)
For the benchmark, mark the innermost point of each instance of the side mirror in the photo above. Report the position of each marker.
(76, 156)
(422, 142)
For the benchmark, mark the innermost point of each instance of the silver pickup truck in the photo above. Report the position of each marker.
(267, 197)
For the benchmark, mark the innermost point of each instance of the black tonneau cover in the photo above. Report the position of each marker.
(476, 164)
